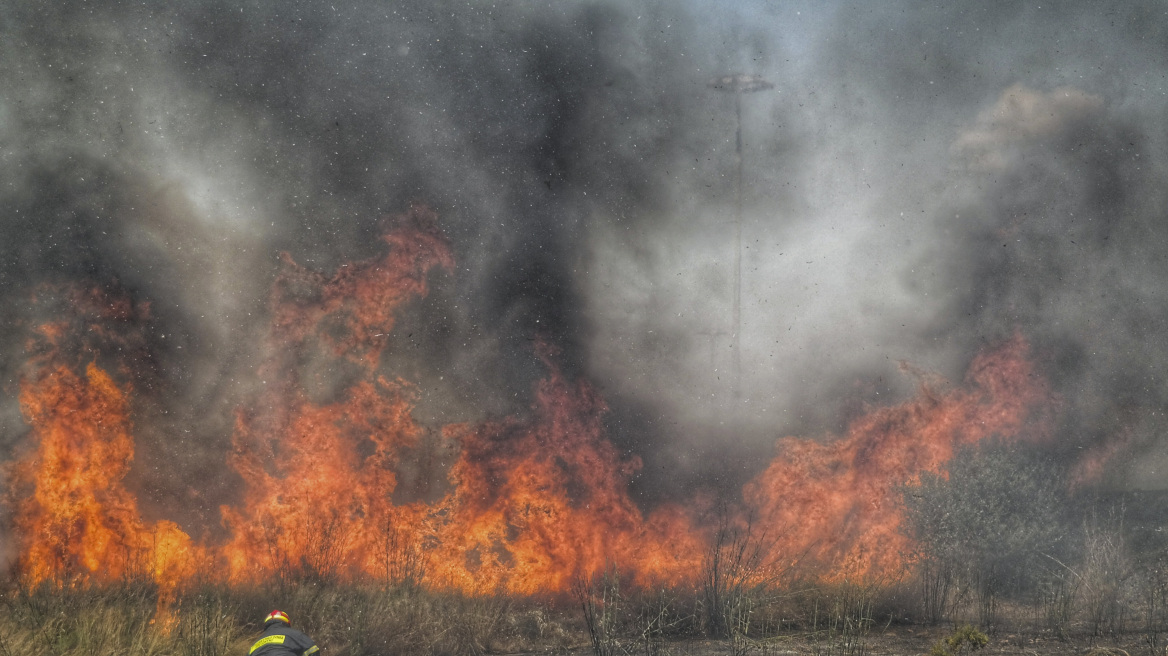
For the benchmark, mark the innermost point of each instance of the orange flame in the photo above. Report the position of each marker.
(537, 505)
(79, 520)
(353, 310)
(76, 522)
(319, 479)
(313, 502)
(534, 504)
(839, 502)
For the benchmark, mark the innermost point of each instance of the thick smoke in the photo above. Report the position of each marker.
(921, 182)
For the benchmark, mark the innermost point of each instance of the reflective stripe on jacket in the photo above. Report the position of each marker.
(281, 640)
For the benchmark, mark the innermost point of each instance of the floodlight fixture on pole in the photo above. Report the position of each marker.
(738, 84)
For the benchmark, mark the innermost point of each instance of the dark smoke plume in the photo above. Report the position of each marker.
(922, 182)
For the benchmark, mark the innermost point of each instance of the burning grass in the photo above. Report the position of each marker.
(535, 503)
(538, 520)
(213, 621)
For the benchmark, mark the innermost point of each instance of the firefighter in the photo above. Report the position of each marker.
(280, 639)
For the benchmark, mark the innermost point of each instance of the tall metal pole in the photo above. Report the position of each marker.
(736, 363)
(738, 85)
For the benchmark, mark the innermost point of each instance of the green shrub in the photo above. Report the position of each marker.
(957, 642)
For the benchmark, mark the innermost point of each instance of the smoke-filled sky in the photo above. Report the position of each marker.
(922, 181)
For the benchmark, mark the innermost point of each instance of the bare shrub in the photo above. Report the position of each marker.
(1106, 573)
(983, 529)
(600, 602)
(843, 618)
(400, 557)
(535, 626)
(1154, 592)
(207, 624)
(1056, 595)
(475, 624)
(661, 615)
(936, 578)
(326, 551)
(323, 558)
(741, 569)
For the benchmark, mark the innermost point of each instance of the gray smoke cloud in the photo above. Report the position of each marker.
(921, 182)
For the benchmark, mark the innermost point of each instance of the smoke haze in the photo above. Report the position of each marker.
(921, 182)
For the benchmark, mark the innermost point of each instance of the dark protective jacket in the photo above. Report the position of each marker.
(279, 639)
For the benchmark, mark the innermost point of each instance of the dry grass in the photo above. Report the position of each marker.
(81, 622)
(844, 619)
(212, 621)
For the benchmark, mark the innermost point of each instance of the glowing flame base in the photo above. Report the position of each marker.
(534, 504)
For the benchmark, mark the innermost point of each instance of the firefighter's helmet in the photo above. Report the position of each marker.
(277, 616)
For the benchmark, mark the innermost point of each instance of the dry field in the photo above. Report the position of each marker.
(826, 621)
